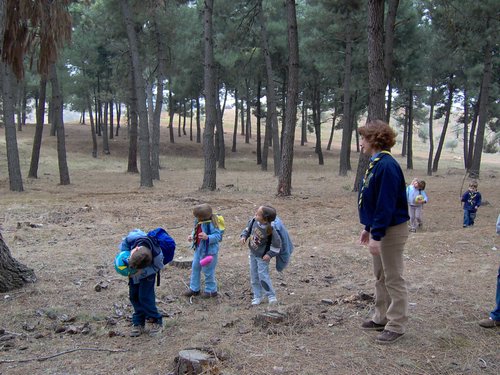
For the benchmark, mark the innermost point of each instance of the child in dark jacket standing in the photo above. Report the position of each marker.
(264, 243)
(472, 200)
(206, 236)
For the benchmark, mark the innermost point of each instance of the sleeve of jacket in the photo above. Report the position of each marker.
(425, 196)
(214, 238)
(479, 200)
(465, 196)
(246, 232)
(275, 247)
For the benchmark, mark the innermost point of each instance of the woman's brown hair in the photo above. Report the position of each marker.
(378, 134)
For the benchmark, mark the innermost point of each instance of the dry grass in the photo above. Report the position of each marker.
(450, 271)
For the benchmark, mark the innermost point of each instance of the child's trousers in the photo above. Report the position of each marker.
(208, 271)
(260, 278)
(142, 297)
(415, 212)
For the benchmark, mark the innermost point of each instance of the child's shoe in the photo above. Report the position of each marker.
(191, 293)
(272, 301)
(256, 301)
(136, 331)
(155, 329)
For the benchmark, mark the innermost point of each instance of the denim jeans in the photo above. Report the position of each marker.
(259, 277)
(495, 314)
(209, 271)
(469, 217)
(142, 297)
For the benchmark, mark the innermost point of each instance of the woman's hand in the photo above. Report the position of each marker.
(374, 247)
(364, 237)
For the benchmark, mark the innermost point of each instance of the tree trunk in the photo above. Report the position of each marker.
(483, 113)
(144, 147)
(390, 22)
(171, 113)
(37, 139)
(466, 126)
(316, 105)
(210, 172)
(258, 109)
(14, 166)
(285, 175)
(445, 125)
(431, 131)
(13, 274)
(409, 156)
(272, 117)
(198, 120)
(345, 149)
(235, 129)
(376, 74)
(334, 119)
(219, 125)
(132, 131)
(57, 111)
(92, 128)
(248, 122)
(303, 130)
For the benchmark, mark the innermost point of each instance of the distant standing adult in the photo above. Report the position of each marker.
(494, 318)
(383, 211)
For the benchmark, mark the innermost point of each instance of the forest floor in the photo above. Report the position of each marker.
(75, 319)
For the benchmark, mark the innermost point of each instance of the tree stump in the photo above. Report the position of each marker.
(196, 361)
(182, 262)
(13, 274)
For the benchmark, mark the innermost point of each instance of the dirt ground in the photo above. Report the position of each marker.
(70, 234)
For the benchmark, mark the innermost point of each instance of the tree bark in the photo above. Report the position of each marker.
(37, 139)
(139, 86)
(409, 156)
(13, 163)
(132, 140)
(92, 128)
(286, 164)
(210, 172)
(431, 131)
(483, 113)
(235, 129)
(345, 149)
(13, 274)
(376, 75)
(57, 111)
(272, 114)
(449, 102)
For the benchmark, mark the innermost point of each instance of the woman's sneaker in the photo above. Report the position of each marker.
(272, 300)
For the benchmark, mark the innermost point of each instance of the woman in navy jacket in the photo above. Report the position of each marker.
(383, 211)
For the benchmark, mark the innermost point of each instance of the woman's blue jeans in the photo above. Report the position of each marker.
(142, 297)
(259, 277)
(495, 314)
(208, 271)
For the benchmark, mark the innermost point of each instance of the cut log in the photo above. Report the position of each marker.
(182, 262)
(196, 361)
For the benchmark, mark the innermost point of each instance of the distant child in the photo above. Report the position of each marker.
(494, 319)
(472, 200)
(264, 243)
(416, 197)
(206, 236)
(142, 284)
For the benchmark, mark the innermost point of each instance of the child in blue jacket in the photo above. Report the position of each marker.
(206, 236)
(472, 201)
(147, 260)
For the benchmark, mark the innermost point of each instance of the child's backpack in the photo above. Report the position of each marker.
(161, 238)
(286, 250)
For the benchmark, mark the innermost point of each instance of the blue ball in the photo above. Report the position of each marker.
(121, 264)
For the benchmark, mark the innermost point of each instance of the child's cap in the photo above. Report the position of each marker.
(140, 258)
